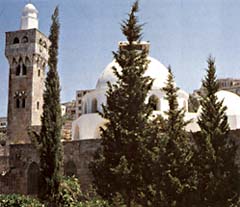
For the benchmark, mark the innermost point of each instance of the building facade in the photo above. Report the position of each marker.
(79, 104)
(229, 84)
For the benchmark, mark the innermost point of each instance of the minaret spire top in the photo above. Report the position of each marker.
(29, 19)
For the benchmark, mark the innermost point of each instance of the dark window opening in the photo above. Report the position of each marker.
(14, 61)
(24, 39)
(27, 61)
(16, 40)
(38, 106)
(94, 105)
(39, 73)
(17, 103)
(45, 45)
(23, 103)
(18, 70)
(24, 69)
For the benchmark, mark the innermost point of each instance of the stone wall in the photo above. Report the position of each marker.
(23, 156)
(24, 161)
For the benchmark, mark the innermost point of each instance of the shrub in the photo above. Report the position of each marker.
(15, 200)
(70, 192)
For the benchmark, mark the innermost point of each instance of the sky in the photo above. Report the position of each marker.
(182, 33)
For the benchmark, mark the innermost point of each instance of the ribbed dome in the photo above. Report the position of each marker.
(156, 70)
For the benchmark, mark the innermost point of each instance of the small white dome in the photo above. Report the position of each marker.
(231, 101)
(156, 71)
(29, 19)
(29, 8)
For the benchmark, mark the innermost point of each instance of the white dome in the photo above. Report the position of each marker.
(231, 101)
(156, 71)
(29, 8)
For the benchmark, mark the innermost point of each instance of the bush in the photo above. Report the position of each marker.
(15, 200)
(72, 196)
(70, 192)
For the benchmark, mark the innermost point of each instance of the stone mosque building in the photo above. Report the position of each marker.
(27, 55)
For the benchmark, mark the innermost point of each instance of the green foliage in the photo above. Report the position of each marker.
(217, 172)
(70, 192)
(72, 196)
(118, 165)
(93, 203)
(172, 176)
(48, 142)
(15, 200)
(193, 103)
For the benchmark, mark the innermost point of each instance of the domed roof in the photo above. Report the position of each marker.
(29, 8)
(230, 100)
(155, 70)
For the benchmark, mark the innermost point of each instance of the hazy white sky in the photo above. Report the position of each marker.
(182, 33)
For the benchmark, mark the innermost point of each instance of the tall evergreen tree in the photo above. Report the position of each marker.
(118, 165)
(49, 140)
(173, 175)
(170, 178)
(217, 173)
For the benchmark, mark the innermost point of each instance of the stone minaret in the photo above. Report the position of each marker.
(27, 54)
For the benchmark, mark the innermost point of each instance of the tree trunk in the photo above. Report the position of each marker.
(129, 202)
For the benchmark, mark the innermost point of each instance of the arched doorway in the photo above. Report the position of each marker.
(70, 168)
(33, 178)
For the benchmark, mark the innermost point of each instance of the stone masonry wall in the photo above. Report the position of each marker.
(23, 155)
(77, 156)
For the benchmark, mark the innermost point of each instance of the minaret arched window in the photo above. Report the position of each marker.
(21, 68)
(18, 103)
(16, 40)
(18, 70)
(94, 105)
(24, 39)
(45, 44)
(20, 99)
(24, 69)
(23, 102)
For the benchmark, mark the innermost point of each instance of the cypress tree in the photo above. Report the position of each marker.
(173, 176)
(49, 140)
(217, 172)
(118, 167)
